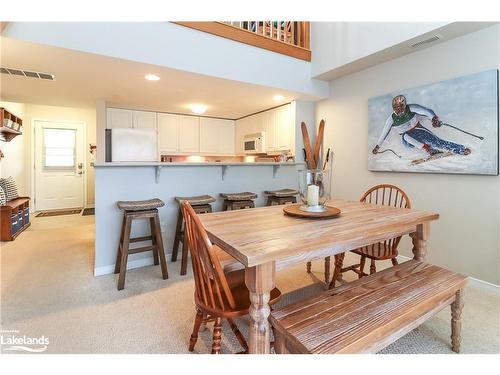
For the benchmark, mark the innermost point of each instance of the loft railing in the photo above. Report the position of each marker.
(286, 37)
(291, 32)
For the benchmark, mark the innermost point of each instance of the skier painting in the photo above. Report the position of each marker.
(405, 119)
(443, 127)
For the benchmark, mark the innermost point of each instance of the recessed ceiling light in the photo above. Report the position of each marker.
(278, 97)
(198, 108)
(152, 77)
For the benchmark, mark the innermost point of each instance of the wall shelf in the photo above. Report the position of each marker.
(10, 125)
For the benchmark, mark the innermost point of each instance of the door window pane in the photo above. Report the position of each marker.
(59, 148)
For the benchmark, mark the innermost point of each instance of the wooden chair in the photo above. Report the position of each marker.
(386, 195)
(201, 205)
(218, 295)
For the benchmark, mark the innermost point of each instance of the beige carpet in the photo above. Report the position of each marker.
(47, 288)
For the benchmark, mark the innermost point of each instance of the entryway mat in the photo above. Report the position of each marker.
(88, 211)
(58, 213)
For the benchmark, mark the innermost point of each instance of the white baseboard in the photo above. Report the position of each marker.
(131, 264)
(481, 284)
(477, 283)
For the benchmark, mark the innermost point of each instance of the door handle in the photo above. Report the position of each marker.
(80, 172)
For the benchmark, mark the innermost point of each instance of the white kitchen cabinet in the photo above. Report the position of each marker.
(279, 129)
(216, 136)
(283, 127)
(119, 118)
(144, 120)
(226, 137)
(189, 134)
(269, 119)
(168, 132)
(277, 123)
(241, 129)
(126, 118)
(209, 135)
(257, 124)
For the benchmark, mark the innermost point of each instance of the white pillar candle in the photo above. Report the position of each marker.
(312, 195)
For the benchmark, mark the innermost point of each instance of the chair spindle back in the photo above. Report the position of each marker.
(211, 287)
(386, 195)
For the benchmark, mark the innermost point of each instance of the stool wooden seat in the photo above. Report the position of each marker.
(148, 204)
(282, 196)
(147, 209)
(196, 200)
(201, 205)
(236, 201)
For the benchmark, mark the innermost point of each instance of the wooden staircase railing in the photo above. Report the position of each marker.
(290, 38)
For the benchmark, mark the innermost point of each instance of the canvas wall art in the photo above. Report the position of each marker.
(444, 127)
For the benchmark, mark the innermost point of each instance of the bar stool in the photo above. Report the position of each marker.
(282, 196)
(236, 201)
(201, 205)
(147, 209)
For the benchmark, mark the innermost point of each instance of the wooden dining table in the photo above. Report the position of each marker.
(265, 240)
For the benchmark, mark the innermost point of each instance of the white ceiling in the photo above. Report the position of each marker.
(83, 78)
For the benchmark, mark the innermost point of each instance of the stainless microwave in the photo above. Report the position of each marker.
(254, 143)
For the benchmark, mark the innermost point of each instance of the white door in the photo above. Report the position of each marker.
(59, 165)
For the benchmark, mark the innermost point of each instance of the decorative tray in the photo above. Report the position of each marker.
(294, 210)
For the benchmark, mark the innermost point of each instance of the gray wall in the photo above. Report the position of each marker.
(467, 236)
(135, 183)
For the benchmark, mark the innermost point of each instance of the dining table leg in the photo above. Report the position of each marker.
(260, 280)
(419, 239)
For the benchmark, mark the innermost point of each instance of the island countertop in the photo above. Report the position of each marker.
(184, 164)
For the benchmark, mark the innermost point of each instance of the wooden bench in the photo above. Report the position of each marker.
(368, 314)
(14, 218)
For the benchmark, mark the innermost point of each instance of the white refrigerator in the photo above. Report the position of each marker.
(133, 145)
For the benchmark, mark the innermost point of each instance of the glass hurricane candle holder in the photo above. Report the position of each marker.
(314, 187)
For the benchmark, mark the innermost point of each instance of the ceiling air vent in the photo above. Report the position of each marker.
(27, 73)
(432, 39)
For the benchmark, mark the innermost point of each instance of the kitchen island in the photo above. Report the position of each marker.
(116, 181)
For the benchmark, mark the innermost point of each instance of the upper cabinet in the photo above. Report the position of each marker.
(278, 125)
(119, 118)
(226, 137)
(216, 136)
(283, 129)
(144, 120)
(189, 134)
(185, 134)
(126, 118)
(242, 127)
(177, 133)
(168, 132)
